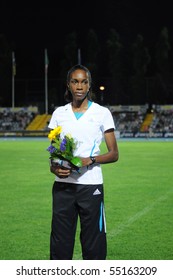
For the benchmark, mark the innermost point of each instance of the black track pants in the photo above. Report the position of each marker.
(71, 201)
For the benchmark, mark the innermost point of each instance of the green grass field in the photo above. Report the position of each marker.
(138, 201)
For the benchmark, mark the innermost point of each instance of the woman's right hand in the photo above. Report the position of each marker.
(59, 171)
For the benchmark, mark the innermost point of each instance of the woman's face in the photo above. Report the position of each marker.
(79, 84)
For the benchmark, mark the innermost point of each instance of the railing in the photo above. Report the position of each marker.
(122, 134)
(24, 133)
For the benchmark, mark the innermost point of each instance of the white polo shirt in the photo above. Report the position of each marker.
(88, 130)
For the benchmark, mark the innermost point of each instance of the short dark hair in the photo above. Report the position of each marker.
(68, 95)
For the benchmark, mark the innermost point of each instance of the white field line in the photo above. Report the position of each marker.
(138, 215)
(131, 220)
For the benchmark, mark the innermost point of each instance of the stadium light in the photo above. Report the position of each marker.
(102, 88)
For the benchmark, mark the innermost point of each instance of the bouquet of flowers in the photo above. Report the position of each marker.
(62, 149)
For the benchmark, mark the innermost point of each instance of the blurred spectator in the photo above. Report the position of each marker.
(15, 120)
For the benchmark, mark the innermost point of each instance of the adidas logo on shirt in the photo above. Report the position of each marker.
(96, 192)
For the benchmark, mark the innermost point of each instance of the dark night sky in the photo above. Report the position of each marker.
(32, 27)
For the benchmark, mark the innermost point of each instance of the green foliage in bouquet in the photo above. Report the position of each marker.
(63, 147)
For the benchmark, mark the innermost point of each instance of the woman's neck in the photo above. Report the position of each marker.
(80, 106)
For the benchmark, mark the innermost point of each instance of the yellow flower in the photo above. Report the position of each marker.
(53, 133)
(63, 147)
(69, 136)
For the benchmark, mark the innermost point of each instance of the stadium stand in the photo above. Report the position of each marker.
(39, 122)
(147, 122)
(130, 121)
(15, 120)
